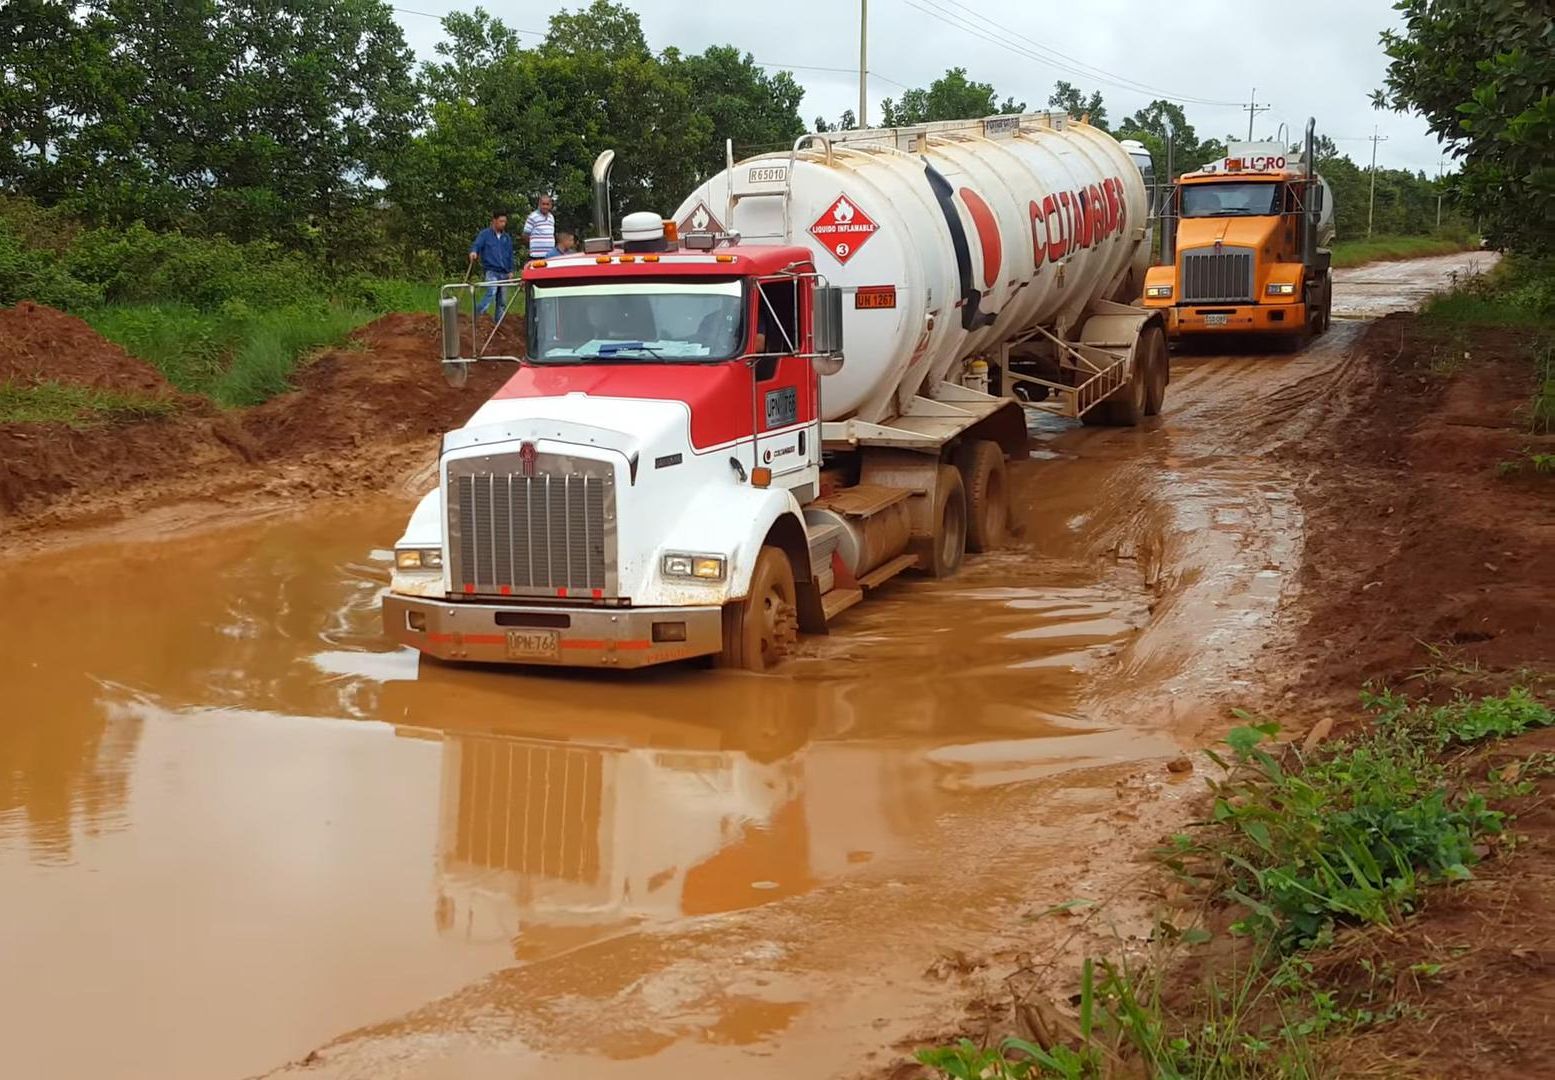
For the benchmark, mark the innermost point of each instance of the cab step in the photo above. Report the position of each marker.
(837, 601)
(888, 570)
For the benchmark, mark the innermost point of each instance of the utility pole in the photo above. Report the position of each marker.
(863, 61)
(1253, 109)
(1371, 202)
(1439, 169)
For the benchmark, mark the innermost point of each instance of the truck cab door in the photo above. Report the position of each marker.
(788, 422)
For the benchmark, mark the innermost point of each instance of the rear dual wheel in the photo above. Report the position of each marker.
(1145, 392)
(941, 554)
(981, 464)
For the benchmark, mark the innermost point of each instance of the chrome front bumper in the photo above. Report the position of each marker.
(552, 636)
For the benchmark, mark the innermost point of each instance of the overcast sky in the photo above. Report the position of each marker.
(1196, 51)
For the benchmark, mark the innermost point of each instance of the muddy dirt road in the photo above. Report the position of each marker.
(236, 831)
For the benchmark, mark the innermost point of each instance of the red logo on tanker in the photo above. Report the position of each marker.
(527, 453)
(843, 229)
(700, 220)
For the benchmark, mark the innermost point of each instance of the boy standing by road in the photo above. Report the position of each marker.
(540, 229)
(493, 247)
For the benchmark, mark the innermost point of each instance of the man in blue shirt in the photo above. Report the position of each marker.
(494, 248)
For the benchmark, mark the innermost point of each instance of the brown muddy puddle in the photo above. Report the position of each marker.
(234, 826)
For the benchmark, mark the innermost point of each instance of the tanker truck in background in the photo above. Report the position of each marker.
(1245, 247)
(689, 463)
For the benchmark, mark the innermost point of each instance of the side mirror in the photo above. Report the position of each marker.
(827, 331)
(456, 373)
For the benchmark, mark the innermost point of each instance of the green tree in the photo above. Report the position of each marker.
(950, 97)
(257, 117)
(507, 124)
(846, 122)
(1482, 73)
(1073, 101)
(1162, 120)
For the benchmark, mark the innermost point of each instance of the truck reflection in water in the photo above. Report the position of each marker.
(567, 824)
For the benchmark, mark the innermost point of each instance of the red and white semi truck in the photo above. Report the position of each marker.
(690, 463)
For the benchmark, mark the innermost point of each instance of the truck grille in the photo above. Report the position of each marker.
(547, 532)
(1217, 277)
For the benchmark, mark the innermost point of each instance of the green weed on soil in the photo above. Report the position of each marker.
(235, 356)
(78, 406)
(1297, 846)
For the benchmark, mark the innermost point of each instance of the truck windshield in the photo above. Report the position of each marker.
(1230, 200)
(636, 320)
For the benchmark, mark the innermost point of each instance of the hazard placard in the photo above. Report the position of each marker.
(843, 228)
(700, 220)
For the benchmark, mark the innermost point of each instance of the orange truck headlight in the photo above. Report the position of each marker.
(1277, 289)
(1158, 292)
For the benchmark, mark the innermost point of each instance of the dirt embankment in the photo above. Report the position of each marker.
(1420, 558)
(1429, 572)
(361, 418)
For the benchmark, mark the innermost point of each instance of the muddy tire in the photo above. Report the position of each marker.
(1327, 317)
(941, 555)
(981, 463)
(761, 630)
(1152, 347)
(1126, 406)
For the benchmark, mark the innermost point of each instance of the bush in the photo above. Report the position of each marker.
(30, 274)
(137, 264)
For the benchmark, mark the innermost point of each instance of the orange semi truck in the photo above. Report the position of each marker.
(1244, 247)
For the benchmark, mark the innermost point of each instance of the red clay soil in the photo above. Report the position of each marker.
(362, 417)
(1417, 552)
(1426, 571)
(39, 344)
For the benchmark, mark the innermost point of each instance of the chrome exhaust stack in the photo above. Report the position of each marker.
(601, 174)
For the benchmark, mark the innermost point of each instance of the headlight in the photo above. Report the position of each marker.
(418, 558)
(1158, 292)
(678, 564)
(1281, 290)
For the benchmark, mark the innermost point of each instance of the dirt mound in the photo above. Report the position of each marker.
(39, 344)
(363, 416)
(384, 384)
(1420, 559)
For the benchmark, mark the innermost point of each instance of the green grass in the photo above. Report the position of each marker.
(78, 406)
(1389, 248)
(235, 356)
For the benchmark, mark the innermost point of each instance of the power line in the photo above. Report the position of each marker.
(1080, 67)
(1044, 55)
(440, 18)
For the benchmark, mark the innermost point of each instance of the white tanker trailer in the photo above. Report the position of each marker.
(690, 462)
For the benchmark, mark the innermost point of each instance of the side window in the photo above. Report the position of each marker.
(777, 324)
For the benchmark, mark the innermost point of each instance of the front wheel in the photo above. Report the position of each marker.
(761, 630)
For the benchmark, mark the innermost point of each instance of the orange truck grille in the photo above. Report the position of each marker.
(1217, 277)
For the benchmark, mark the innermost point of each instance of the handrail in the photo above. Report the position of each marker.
(788, 177)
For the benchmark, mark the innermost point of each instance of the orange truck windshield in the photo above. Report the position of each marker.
(1230, 200)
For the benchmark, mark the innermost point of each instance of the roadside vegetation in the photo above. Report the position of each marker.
(1392, 248)
(1304, 848)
